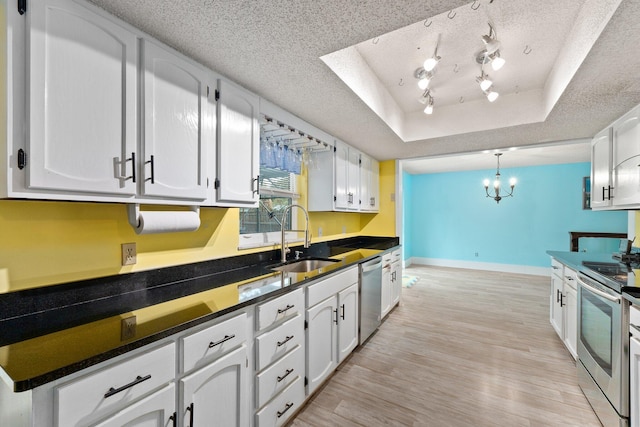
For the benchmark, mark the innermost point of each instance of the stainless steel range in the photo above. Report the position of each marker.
(603, 341)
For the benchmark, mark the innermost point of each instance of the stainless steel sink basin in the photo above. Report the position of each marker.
(304, 265)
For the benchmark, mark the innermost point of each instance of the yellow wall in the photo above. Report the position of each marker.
(46, 243)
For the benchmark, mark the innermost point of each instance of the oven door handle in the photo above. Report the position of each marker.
(599, 292)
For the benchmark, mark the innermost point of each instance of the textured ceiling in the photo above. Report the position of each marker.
(273, 48)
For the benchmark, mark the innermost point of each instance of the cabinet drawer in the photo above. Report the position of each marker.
(322, 290)
(280, 409)
(277, 377)
(273, 311)
(274, 344)
(213, 341)
(557, 268)
(110, 389)
(571, 277)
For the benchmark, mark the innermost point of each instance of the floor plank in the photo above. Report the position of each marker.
(464, 348)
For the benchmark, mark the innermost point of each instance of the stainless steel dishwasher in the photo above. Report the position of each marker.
(370, 297)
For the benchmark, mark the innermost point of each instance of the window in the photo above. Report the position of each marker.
(261, 226)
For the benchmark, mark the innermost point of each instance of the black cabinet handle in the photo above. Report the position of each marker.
(133, 167)
(257, 186)
(190, 411)
(174, 419)
(562, 304)
(226, 338)
(342, 315)
(286, 408)
(288, 307)
(138, 380)
(287, 372)
(557, 295)
(336, 313)
(286, 340)
(152, 171)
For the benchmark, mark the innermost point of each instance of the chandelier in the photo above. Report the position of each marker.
(496, 184)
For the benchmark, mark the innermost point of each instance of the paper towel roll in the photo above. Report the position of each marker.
(167, 221)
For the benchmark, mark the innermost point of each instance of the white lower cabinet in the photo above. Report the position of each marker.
(347, 321)
(396, 277)
(217, 393)
(156, 410)
(385, 299)
(331, 318)
(279, 359)
(563, 305)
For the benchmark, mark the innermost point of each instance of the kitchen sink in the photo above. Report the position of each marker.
(304, 265)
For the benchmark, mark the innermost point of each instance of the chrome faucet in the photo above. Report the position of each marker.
(307, 237)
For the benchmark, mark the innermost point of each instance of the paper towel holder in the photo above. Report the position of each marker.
(133, 211)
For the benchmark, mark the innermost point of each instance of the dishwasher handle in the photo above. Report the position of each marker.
(370, 267)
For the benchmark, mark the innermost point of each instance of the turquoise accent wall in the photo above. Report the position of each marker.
(448, 216)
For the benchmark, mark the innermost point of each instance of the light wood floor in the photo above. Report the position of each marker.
(465, 348)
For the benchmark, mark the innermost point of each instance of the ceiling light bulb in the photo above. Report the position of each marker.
(485, 84)
(428, 109)
(497, 63)
(492, 96)
(431, 63)
(423, 83)
(496, 183)
(512, 182)
(486, 183)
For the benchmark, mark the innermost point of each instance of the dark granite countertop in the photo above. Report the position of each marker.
(36, 325)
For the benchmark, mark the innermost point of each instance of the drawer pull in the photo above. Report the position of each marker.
(138, 380)
(286, 408)
(174, 419)
(226, 338)
(284, 310)
(287, 372)
(286, 340)
(342, 315)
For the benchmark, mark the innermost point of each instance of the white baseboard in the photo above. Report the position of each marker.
(474, 265)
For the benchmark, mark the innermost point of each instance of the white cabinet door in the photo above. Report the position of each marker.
(626, 158)
(634, 379)
(82, 100)
(369, 184)
(348, 321)
(601, 169)
(571, 320)
(217, 394)
(238, 146)
(156, 410)
(353, 187)
(396, 282)
(374, 187)
(556, 303)
(385, 305)
(341, 166)
(177, 125)
(322, 321)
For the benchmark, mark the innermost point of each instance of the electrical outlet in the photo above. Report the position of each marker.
(319, 231)
(129, 255)
(128, 328)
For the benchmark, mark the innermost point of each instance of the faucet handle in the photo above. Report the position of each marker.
(298, 253)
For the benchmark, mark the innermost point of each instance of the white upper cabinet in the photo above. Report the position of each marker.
(238, 147)
(615, 164)
(335, 183)
(177, 125)
(601, 169)
(82, 100)
(626, 159)
(369, 184)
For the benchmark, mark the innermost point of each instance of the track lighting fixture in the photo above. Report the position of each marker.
(491, 53)
(492, 44)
